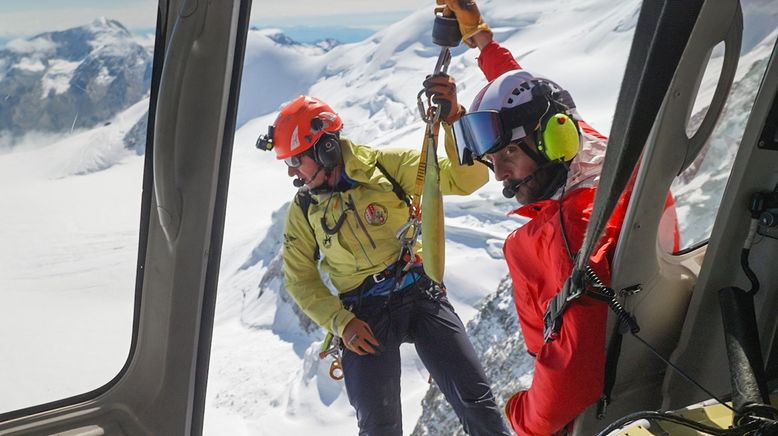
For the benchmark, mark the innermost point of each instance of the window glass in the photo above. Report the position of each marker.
(699, 189)
(74, 98)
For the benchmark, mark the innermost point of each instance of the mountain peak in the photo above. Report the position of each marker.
(327, 44)
(278, 36)
(94, 70)
(104, 24)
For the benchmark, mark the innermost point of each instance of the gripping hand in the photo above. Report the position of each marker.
(442, 90)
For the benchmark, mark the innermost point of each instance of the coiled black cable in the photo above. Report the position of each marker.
(610, 297)
(760, 410)
(740, 430)
(749, 272)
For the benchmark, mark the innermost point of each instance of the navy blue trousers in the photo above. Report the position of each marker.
(420, 314)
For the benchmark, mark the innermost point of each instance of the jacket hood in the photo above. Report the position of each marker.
(586, 166)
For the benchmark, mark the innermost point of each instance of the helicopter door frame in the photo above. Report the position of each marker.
(701, 349)
(198, 62)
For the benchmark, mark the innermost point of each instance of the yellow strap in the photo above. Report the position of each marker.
(430, 134)
(433, 237)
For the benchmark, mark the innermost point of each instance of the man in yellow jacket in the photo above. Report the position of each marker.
(344, 221)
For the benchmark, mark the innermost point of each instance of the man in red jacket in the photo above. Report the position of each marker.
(549, 159)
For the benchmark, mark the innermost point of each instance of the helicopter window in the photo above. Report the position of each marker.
(74, 100)
(707, 85)
(698, 190)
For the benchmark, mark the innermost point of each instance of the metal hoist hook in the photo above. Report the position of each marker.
(430, 112)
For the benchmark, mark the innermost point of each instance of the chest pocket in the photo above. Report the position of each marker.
(356, 228)
(382, 214)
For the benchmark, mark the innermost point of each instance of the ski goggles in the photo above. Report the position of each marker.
(479, 133)
(483, 132)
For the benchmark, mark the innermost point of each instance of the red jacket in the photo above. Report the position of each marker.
(569, 371)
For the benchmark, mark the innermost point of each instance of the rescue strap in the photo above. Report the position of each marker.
(613, 352)
(410, 231)
(431, 116)
(430, 135)
(426, 217)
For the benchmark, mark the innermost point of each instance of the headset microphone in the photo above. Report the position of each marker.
(509, 191)
(298, 182)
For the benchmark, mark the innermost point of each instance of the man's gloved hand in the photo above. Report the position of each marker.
(358, 337)
(468, 17)
(442, 89)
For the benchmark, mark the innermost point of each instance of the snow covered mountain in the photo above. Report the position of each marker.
(72, 79)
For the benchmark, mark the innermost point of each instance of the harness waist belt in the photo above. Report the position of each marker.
(383, 283)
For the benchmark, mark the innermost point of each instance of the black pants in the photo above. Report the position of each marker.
(422, 315)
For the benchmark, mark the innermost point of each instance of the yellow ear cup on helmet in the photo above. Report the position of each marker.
(559, 138)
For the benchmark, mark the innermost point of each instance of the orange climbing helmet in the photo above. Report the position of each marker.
(299, 126)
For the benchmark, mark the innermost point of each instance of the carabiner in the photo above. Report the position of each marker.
(402, 235)
(431, 113)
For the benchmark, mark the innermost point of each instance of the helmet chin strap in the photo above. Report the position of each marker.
(557, 181)
(512, 188)
(535, 155)
(325, 187)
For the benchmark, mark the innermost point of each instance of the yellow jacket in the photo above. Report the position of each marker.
(366, 243)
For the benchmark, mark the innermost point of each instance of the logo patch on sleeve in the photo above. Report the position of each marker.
(375, 214)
